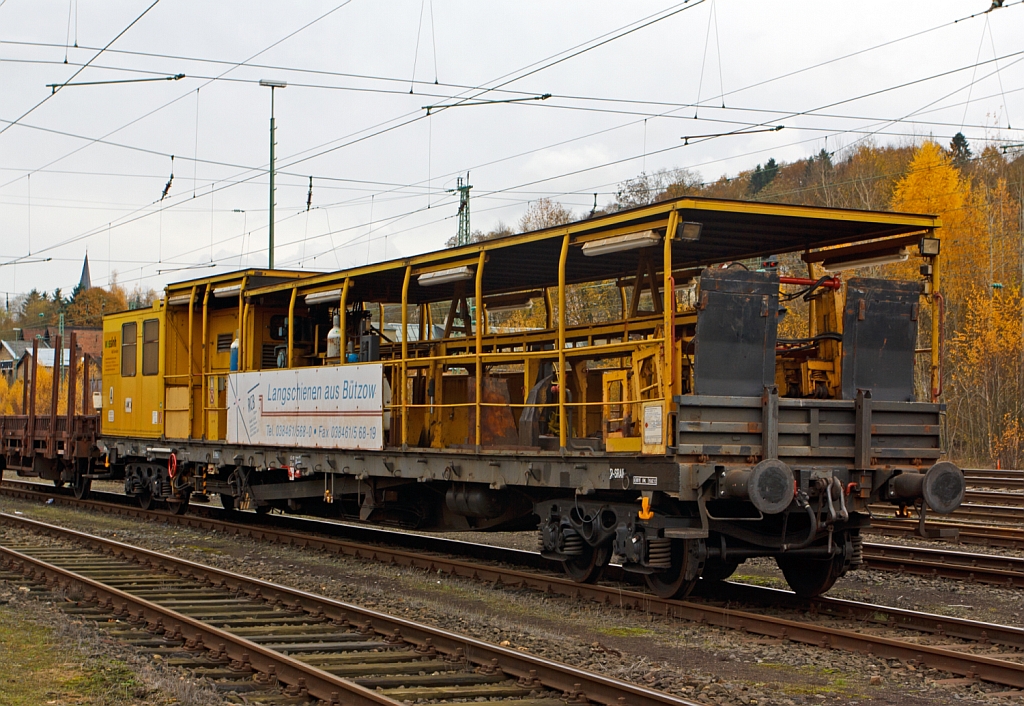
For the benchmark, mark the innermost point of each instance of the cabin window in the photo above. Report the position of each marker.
(151, 347)
(129, 332)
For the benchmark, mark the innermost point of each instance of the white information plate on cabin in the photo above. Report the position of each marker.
(337, 407)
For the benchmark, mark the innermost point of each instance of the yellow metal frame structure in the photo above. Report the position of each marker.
(458, 391)
(658, 336)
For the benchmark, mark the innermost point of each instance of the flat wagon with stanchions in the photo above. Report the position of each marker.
(644, 384)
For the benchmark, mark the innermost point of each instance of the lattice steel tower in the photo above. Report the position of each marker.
(463, 237)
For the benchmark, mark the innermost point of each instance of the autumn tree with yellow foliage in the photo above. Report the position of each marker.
(985, 379)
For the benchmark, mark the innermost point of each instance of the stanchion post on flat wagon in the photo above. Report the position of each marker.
(291, 325)
(668, 302)
(28, 448)
(242, 336)
(69, 430)
(191, 360)
(562, 259)
(479, 303)
(403, 371)
(205, 347)
(241, 321)
(86, 391)
(342, 320)
(58, 357)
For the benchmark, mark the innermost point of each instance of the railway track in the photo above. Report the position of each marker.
(1003, 479)
(945, 563)
(925, 561)
(988, 498)
(1012, 509)
(220, 623)
(992, 536)
(877, 630)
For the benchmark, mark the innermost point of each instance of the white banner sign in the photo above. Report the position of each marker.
(337, 407)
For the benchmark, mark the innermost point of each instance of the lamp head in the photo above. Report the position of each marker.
(689, 231)
(929, 247)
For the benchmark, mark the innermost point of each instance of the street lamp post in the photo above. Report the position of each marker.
(271, 84)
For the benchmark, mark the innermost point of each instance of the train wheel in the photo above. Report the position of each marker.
(679, 580)
(179, 505)
(587, 567)
(58, 482)
(145, 500)
(812, 577)
(718, 570)
(809, 577)
(81, 486)
(263, 509)
(227, 501)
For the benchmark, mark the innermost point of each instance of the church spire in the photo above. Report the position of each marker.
(85, 283)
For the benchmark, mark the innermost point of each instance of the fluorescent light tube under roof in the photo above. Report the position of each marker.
(870, 260)
(621, 243)
(178, 299)
(333, 295)
(453, 274)
(228, 291)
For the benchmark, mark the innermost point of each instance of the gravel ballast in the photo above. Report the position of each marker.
(706, 664)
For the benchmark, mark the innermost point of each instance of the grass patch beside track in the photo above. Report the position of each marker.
(36, 670)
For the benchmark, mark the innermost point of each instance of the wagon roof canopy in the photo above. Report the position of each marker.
(730, 230)
(256, 278)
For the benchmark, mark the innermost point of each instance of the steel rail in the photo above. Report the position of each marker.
(981, 568)
(993, 472)
(994, 478)
(989, 513)
(319, 683)
(994, 497)
(991, 669)
(986, 535)
(554, 675)
(1000, 482)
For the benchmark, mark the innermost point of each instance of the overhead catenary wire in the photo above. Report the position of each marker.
(232, 67)
(353, 240)
(558, 176)
(582, 48)
(647, 115)
(534, 68)
(595, 98)
(760, 83)
(276, 43)
(279, 67)
(79, 71)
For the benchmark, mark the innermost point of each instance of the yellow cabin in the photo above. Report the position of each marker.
(133, 372)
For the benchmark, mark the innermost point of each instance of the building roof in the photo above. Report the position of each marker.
(16, 349)
(46, 357)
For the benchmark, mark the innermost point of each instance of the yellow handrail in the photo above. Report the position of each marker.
(561, 341)
(479, 304)
(402, 380)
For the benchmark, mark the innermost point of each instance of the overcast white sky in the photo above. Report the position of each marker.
(616, 110)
